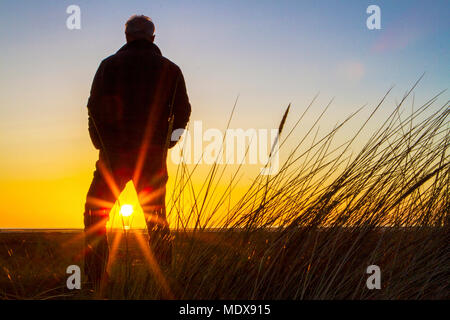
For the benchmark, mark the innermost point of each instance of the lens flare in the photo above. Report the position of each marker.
(126, 210)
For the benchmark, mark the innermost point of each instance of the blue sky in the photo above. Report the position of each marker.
(278, 51)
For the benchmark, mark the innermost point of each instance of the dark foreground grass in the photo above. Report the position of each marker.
(210, 265)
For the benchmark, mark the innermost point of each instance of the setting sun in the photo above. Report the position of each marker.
(126, 210)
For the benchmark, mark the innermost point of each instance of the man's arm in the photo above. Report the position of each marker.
(181, 106)
(94, 105)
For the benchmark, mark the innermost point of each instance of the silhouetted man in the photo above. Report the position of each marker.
(137, 99)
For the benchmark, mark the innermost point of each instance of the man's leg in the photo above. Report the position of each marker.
(97, 251)
(152, 194)
(99, 202)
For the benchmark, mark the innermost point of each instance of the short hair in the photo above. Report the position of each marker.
(139, 26)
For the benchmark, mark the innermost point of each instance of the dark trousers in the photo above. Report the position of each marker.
(113, 171)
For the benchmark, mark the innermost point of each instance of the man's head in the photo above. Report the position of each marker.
(139, 27)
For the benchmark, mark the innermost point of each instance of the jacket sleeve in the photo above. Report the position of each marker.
(181, 106)
(94, 106)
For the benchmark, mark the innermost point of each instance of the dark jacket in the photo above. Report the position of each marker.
(131, 98)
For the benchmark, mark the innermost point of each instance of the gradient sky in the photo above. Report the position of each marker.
(269, 52)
